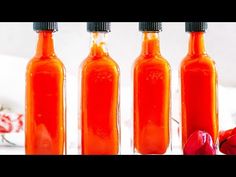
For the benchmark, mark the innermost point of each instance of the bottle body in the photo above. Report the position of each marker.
(198, 91)
(100, 103)
(45, 104)
(151, 100)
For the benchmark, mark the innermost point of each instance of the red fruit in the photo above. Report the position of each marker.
(3, 130)
(225, 134)
(18, 123)
(229, 145)
(234, 131)
(228, 142)
(5, 124)
(199, 143)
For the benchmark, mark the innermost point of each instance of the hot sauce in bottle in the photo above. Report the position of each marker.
(151, 94)
(45, 98)
(198, 87)
(100, 96)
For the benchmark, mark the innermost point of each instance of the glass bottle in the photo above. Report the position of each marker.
(100, 96)
(151, 94)
(45, 97)
(198, 87)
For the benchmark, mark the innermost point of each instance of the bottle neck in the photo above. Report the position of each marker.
(98, 45)
(45, 47)
(150, 44)
(196, 44)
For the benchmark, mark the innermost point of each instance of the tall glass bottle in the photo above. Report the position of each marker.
(151, 94)
(45, 98)
(198, 86)
(100, 95)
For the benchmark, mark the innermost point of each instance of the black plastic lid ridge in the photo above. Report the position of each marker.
(196, 26)
(150, 26)
(98, 26)
(51, 26)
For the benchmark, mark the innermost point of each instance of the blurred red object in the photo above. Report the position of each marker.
(200, 143)
(227, 141)
(10, 122)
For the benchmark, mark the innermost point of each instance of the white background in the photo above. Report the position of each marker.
(18, 43)
(72, 44)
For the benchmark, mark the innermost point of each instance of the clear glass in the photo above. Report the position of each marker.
(152, 76)
(100, 100)
(198, 91)
(45, 131)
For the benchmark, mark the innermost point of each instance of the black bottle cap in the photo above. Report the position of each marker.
(51, 26)
(150, 26)
(98, 26)
(195, 26)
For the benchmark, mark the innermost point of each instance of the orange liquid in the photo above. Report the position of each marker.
(45, 100)
(100, 82)
(198, 90)
(151, 99)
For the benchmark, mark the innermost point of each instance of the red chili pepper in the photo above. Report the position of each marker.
(225, 134)
(227, 141)
(5, 124)
(10, 122)
(200, 143)
(19, 123)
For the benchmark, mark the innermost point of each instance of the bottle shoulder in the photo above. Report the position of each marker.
(102, 62)
(157, 61)
(51, 64)
(198, 62)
